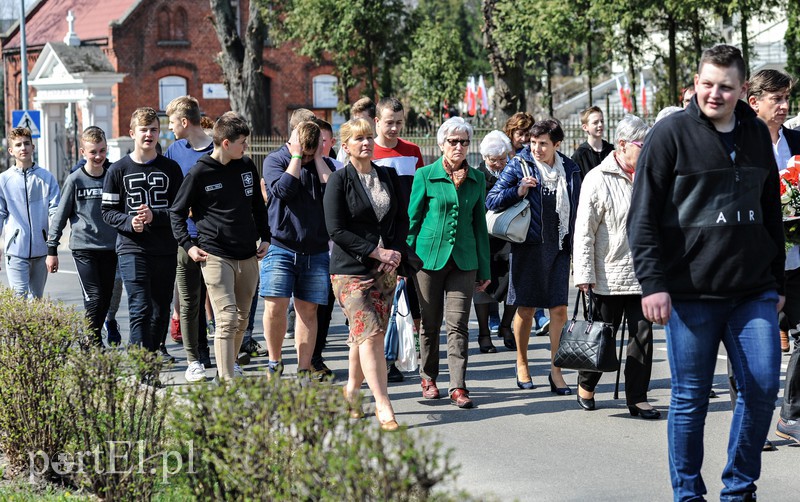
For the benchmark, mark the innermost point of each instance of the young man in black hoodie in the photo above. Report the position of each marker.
(222, 192)
(707, 242)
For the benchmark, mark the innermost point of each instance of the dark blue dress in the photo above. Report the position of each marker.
(539, 270)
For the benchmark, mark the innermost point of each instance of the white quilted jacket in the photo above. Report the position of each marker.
(601, 255)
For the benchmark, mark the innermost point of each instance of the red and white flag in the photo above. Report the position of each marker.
(483, 96)
(470, 96)
(643, 95)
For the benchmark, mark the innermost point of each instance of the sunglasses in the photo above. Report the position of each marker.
(637, 143)
(454, 141)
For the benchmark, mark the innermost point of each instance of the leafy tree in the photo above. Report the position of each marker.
(792, 42)
(355, 36)
(435, 71)
(506, 61)
(241, 60)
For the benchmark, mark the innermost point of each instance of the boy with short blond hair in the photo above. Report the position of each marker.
(137, 193)
(191, 143)
(592, 151)
(221, 191)
(91, 240)
(29, 195)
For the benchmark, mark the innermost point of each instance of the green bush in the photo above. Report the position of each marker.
(36, 337)
(285, 441)
(119, 423)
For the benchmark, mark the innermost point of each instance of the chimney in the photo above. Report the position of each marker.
(71, 37)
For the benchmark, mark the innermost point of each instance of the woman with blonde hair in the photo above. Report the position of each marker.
(362, 215)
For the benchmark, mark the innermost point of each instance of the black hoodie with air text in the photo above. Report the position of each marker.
(226, 205)
(705, 223)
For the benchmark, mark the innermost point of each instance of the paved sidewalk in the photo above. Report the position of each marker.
(532, 445)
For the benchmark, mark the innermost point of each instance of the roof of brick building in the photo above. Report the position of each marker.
(47, 20)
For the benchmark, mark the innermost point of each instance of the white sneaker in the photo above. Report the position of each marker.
(237, 371)
(196, 372)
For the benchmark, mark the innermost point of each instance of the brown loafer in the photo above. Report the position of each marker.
(460, 398)
(429, 389)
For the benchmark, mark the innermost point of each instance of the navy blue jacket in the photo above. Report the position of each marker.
(294, 206)
(504, 192)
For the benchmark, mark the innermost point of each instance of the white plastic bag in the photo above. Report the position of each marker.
(408, 346)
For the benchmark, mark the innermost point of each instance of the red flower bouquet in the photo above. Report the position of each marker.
(790, 200)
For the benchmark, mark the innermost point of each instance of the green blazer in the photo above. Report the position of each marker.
(445, 222)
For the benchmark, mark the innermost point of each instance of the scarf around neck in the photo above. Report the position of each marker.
(458, 175)
(554, 179)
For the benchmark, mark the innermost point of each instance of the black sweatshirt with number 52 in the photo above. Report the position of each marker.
(129, 184)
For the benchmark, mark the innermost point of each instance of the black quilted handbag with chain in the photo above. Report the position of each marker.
(586, 345)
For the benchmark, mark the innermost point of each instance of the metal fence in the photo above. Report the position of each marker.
(261, 146)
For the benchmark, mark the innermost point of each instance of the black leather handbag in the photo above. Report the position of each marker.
(587, 345)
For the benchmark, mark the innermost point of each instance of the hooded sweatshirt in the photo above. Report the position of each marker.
(27, 200)
(227, 208)
(705, 223)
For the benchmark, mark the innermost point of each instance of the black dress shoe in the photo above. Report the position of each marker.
(508, 338)
(586, 404)
(651, 414)
(485, 344)
(394, 375)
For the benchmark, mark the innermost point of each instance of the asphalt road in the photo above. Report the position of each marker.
(533, 445)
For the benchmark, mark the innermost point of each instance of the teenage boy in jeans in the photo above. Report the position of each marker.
(29, 195)
(405, 158)
(137, 193)
(297, 262)
(91, 240)
(222, 191)
(191, 144)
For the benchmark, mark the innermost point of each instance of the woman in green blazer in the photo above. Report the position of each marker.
(447, 229)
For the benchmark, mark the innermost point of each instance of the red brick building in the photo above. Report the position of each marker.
(123, 54)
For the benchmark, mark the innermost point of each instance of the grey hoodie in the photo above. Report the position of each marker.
(27, 200)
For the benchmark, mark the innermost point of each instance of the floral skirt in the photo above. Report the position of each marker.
(366, 301)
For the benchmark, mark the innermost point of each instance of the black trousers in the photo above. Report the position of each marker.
(324, 313)
(790, 409)
(639, 353)
(96, 272)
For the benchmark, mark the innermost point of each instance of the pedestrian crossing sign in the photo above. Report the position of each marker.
(27, 118)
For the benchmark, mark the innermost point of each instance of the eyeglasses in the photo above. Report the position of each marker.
(456, 141)
(637, 143)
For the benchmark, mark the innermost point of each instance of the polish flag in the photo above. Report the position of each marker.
(643, 95)
(470, 96)
(483, 96)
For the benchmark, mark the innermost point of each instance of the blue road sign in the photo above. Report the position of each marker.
(27, 118)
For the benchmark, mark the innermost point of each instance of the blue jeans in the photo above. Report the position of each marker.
(747, 327)
(26, 276)
(285, 274)
(149, 281)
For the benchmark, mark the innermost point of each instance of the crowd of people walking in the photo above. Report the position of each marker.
(678, 224)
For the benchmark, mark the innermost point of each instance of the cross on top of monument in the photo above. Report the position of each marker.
(71, 38)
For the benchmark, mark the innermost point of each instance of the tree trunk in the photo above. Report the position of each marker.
(672, 64)
(241, 62)
(697, 35)
(509, 85)
(631, 70)
(549, 97)
(589, 65)
(745, 42)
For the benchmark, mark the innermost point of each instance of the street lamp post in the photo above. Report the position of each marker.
(23, 55)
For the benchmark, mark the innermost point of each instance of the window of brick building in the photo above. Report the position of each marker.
(170, 88)
(180, 24)
(163, 24)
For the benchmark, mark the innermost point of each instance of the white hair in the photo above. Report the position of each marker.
(666, 112)
(630, 128)
(495, 144)
(453, 125)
